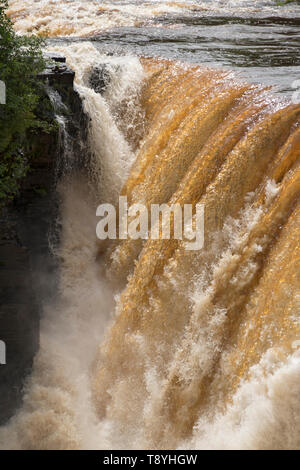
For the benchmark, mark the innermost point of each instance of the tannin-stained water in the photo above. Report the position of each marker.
(192, 326)
(151, 345)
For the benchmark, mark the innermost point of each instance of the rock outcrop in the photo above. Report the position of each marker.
(28, 271)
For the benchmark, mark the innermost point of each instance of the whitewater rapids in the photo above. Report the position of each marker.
(151, 346)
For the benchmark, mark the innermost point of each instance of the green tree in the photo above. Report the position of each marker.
(21, 60)
(284, 2)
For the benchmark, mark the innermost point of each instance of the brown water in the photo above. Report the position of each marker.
(151, 345)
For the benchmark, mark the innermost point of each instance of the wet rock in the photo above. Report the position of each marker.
(28, 270)
(57, 71)
(98, 77)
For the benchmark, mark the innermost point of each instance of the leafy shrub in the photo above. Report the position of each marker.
(21, 61)
(285, 2)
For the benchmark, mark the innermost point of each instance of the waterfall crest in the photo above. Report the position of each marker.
(201, 348)
(191, 326)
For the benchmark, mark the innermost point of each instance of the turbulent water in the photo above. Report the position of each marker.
(150, 345)
(75, 17)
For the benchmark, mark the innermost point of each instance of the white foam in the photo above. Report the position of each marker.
(88, 17)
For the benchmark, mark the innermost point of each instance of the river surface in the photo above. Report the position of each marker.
(257, 38)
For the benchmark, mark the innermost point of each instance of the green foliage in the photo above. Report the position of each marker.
(40, 191)
(20, 61)
(285, 2)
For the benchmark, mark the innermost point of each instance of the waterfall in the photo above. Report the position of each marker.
(68, 158)
(153, 346)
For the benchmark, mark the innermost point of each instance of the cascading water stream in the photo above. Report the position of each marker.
(66, 161)
(153, 346)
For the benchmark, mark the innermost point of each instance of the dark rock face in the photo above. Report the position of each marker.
(28, 271)
(99, 77)
(25, 266)
(59, 73)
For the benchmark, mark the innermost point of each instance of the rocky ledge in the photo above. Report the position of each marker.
(57, 72)
(28, 271)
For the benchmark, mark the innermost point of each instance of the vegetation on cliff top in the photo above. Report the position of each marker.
(284, 2)
(21, 60)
